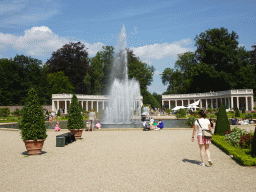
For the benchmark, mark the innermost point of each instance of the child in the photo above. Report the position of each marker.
(57, 128)
(154, 125)
(98, 125)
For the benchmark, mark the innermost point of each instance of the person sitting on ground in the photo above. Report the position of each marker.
(246, 122)
(151, 122)
(57, 128)
(234, 121)
(98, 125)
(145, 125)
(160, 125)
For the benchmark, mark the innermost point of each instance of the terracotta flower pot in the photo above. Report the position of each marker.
(34, 147)
(77, 132)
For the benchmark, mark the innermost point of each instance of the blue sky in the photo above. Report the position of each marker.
(156, 30)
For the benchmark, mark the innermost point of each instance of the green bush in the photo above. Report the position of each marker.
(190, 121)
(182, 113)
(75, 117)
(16, 112)
(246, 141)
(222, 123)
(237, 113)
(32, 123)
(235, 136)
(248, 116)
(243, 110)
(4, 112)
(168, 111)
(58, 113)
(241, 155)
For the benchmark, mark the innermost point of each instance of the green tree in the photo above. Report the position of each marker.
(75, 117)
(31, 75)
(88, 83)
(237, 114)
(222, 123)
(158, 97)
(10, 83)
(72, 59)
(32, 122)
(97, 74)
(59, 83)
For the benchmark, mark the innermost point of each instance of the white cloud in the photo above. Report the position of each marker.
(40, 41)
(160, 51)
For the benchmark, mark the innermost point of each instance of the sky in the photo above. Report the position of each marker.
(157, 30)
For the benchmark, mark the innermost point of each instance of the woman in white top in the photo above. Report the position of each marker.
(200, 124)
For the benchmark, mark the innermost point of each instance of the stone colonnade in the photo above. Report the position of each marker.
(87, 102)
(231, 98)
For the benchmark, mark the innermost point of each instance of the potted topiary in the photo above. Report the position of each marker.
(32, 124)
(75, 118)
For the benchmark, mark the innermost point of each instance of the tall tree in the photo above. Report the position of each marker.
(32, 75)
(72, 59)
(59, 83)
(10, 83)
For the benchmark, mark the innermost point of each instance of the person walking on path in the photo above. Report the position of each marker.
(91, 119)
(204, 143)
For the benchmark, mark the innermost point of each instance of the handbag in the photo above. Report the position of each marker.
(206, 133)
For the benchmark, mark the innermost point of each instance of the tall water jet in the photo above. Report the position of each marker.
(124, 95)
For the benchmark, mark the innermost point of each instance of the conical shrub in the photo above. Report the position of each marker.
(222, 124)
(237, 113)
(75, 118)
(253, 151)
(32, 123)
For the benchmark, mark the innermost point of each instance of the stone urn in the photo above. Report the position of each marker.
(34, 147)
(77, 132)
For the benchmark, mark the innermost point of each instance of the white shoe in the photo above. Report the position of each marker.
(202, 164)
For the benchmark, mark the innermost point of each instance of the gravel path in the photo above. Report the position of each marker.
(163, 160)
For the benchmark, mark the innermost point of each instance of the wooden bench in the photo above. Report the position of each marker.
(65, 139)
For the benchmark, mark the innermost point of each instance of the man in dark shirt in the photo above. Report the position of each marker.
(234, 120)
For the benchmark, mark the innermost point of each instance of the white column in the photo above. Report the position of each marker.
(211, 103)
(206, 104)
(175, 103)
(246, 103)
(53, 107)
(181, 102)
(237, 98)
(188, 101)
(58, 104)
(201, 103)
(66, 111)
(162, 103)
(97, 106)
(82, 105)
(91, 105)
(169, 104)
(103, 105)
(252, 102)
(232, 103)
(86, 105)
(229, 103)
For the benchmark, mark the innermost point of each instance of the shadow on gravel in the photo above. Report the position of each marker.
(191, 161)
(25, 153)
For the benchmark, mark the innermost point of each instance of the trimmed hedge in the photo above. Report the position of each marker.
(241, 155)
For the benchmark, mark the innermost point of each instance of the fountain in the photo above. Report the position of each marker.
(122, 110)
